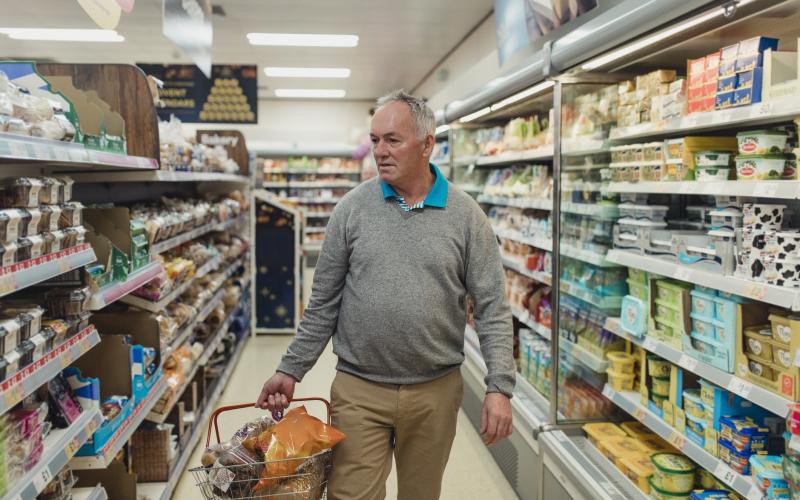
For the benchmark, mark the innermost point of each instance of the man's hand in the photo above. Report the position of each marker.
(277, 392)
(496, 420)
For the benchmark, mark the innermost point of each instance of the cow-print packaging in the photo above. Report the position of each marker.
(762, 216)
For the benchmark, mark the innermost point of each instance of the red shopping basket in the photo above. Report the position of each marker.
(308, 482)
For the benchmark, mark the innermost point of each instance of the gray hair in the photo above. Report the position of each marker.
(424, 119)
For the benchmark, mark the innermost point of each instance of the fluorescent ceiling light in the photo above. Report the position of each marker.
(307, 72)
(311, 93)
(536, 89)
(442, 129)
(657, 37)
(63, 35)
(475, 115)
(302, 40)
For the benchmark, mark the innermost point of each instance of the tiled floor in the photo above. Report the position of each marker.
(471, 472)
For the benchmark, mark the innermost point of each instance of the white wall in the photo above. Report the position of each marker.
(472, 65)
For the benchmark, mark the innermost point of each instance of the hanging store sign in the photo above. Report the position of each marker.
(105, 13)
(188, 24)
(229, 96)
(518, 23)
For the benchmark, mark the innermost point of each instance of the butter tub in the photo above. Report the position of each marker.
(673, 473)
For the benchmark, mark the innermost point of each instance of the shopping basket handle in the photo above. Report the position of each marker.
(213, 422)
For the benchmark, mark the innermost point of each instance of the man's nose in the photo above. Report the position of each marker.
(379, 149)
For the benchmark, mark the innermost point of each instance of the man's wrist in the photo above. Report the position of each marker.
(296, 380)
(499, 393)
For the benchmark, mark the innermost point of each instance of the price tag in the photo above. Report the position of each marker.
(688, 362)
(677, 440)
(740, 387)
(689, 187)
(639, 413)
(71, 448)
(683, 274)
(797, 358)
(765, 189)
(608, 391)
(61, 154)
(765, 108)
(18, 149)
(41, 479)
(63, 266)
(725, 473)
(755, 291)
(649, 344)
(41, 152)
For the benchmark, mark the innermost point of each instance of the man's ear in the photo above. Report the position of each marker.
(430, 141)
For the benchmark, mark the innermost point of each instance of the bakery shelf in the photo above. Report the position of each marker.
(776, 295)
(126, 430)
(160, 176)
(582, 468)
(758, 395)
(15, 277)
(151, 306)
(631, 403)
(115, 291)
(524, 317)
(175, 241)
(59, 447)
(26, 381)
(588, 359)
(778, 110)
(96, 493)
(517, 267)
(303, 171)
(785, 190)
(544, 154)
(23, 149)
(318, 215)
(160, 418)
(309, 185)
(606, 303)
(164, 490)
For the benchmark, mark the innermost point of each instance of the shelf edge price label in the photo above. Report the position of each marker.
(41, 479)
(683, 274)
(740, 387)
(725, 473)
(677, 440)
(687, 362)
(755, 291)
(72, 447)
(755, 493)
(608, 391)
(639, 414)
(649, 344)
(767, 189)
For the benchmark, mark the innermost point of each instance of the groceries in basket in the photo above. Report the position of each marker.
(269, 460)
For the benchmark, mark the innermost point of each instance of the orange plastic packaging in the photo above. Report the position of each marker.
(287, 445)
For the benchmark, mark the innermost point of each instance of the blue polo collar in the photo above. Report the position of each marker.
(437, 196)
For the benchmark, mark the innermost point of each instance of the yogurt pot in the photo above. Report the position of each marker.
(763, 167)
(762, 142)
(712, 158)
(710, 173)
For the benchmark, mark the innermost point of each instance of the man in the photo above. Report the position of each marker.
(400, 256)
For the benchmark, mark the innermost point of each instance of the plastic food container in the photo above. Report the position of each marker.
(781, 328)
(703, 326)
(59, 326)
(9, 335)
(24, 322)
(22, 192)
(758, 344)
(49, 194)
(763, 215)
(24, 247)
(37, 246)
(738, 461)
(692, 404)
(712, 159)
(673, 473)
(51, 214)
(728, 218)
(711, 174)
(659, 400)
(791, 468)
(65, 189)
(668, 313)
(57, 244)
(763, 167)
(638, 290)
(620, 381)
(659, 386)
(760, 368)
(74, 236)
(671, 293)
(66, 303)
(10, 221)
(659, 494)
(702, 304)
(71, 215)
(32, 315)
(635, 429)
(33, 219)
(621, 362)
(24, 222)
(602, 430)
(25, 351)
(43, 343)
(638, 468)
(782, 357)
(762, 142)
(658, 367)
(696, 424)
(616, 448)
(768, 471)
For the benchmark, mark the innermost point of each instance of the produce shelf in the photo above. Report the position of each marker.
(517, 267)
(160, 176)
(59, 447)
(778, 110)
(630, 402)
(72, 155)
(96, 493)
(115, 291)
(16, 277)
(776, 295)
(164, 490)
(151, 306)
(785, 190)
(524, 317)
(126, 430)
(173, 242)
(26, 381)
(543, 153)
(758, 395)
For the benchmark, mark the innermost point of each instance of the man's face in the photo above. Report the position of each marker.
(398, 153)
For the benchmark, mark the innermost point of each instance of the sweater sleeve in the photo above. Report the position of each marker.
(322, 314)
(485, 281)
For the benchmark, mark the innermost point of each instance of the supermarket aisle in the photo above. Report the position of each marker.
(471, 473)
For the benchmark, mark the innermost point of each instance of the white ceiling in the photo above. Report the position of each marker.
(400, 40)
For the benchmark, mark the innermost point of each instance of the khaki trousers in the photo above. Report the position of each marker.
(415, 422)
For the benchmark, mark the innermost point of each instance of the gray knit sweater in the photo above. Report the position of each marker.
(391, 288)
